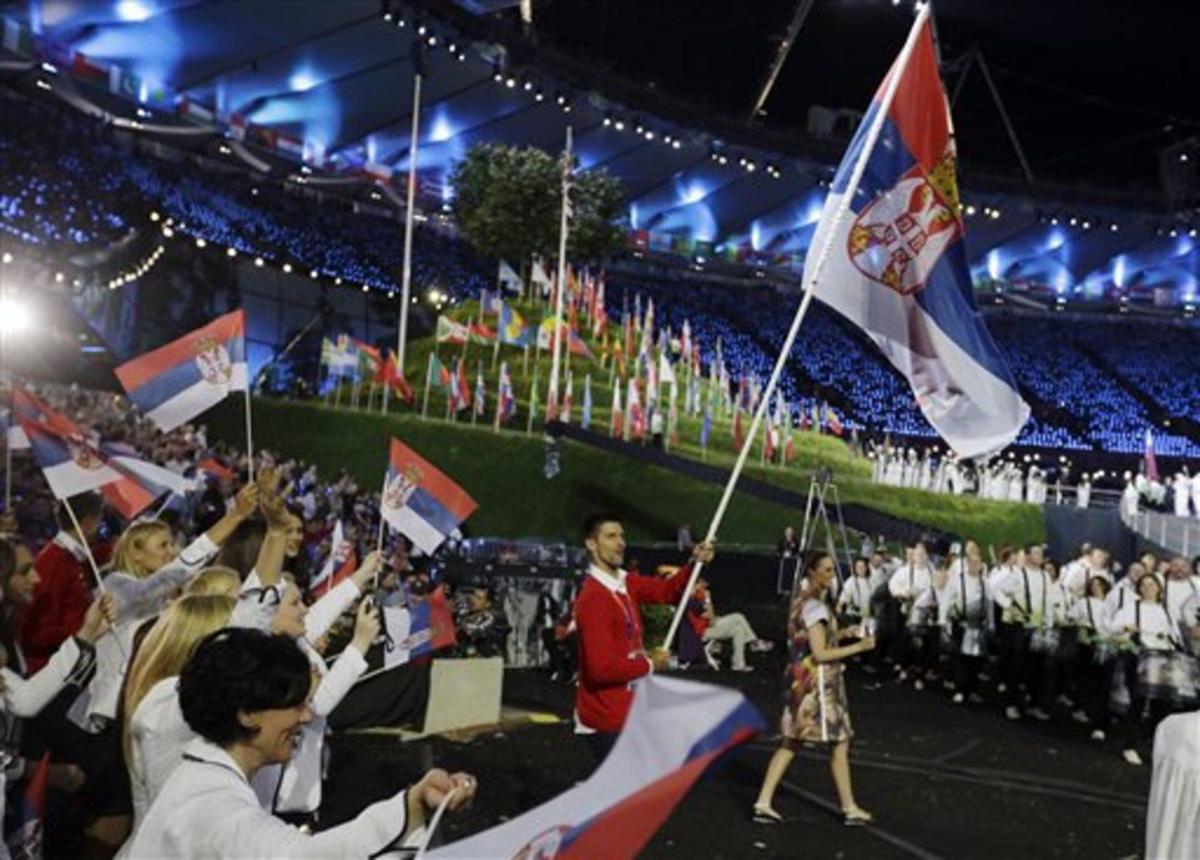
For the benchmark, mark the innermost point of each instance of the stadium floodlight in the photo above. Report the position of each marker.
(14, 316)
(200, 243)
(231, 251)
(259, 262)
(6, 258)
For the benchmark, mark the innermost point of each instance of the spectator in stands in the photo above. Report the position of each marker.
(713, 629)
(482, 625)
(789, 545)
(65, 581)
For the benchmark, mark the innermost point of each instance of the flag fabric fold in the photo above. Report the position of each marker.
(676, 730)
(897, 265)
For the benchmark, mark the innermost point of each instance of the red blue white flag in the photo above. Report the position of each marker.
(342, 562)
(70, 463)
(897, 262)
(420, 501)
(175, 383)
(676, 730)
(418, 629)
(25, 842)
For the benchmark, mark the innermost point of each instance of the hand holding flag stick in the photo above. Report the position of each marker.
(893, 81)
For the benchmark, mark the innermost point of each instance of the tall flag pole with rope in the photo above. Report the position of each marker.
(418, 58)
(564, 226)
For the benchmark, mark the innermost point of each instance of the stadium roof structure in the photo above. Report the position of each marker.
(329, 85)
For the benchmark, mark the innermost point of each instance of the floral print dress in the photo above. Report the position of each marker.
(815, 705)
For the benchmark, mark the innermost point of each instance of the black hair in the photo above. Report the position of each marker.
(239, 670)
(241, 549)
(84, 505)
(1032, 546)
(591, 526)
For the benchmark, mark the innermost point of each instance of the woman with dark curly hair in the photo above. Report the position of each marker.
(815, 706)
(246, 694)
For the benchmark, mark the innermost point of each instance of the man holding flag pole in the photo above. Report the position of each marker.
(899, 270)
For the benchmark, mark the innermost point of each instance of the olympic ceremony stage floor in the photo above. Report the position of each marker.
(942, 780)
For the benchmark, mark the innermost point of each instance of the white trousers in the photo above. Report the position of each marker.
(735, 628)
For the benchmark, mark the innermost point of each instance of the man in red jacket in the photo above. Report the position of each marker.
(64, 589)
(612, 654)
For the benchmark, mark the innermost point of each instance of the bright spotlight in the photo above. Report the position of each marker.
(14, 317)
(133, 10)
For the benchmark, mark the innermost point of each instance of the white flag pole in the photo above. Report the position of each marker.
(249, 439)
(552, 393)
(409, 215)
(843, 207)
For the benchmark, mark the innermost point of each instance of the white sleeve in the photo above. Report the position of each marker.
(897, 583)
(950, 598)
(25, 697)
(998, 589)
(141, 598)
(337, 681)
(244, 831)
(322, 614)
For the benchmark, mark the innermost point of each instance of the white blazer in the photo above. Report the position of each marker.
(207, 809)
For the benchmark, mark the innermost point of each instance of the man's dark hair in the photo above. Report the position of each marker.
(240, 670)
(84, 505)
(1032, 546)
(591, 526)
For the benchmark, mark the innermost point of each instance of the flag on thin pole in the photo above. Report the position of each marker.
(1151, 459)
(505, 400)
(176, 382)
(897, 266)
(419, 500)
(342, 562)
(617, 425)
(585, 421)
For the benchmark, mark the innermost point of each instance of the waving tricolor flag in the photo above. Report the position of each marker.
(506, 402)
(419, 500)
(676, 730)
(417, 630)
(342, 562)
(70, 463)
(175, 383)
(25, 840)
(896, 262)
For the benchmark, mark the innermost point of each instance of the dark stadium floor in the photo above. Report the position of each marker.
(942, 781)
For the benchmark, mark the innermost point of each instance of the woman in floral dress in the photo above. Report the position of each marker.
(815, 706)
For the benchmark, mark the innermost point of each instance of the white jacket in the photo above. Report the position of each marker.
(137, 600)
(207, 809)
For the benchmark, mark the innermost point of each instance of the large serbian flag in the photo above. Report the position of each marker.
(676, 730)
(175, 383)
(897, 262)
(419, 501)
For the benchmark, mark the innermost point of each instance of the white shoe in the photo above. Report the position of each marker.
(1098, 734)
(709, 658)
(958, 699)
(1132, 757)
(1012, 713)
(1080, 716)
(1038, 714)
(918, 684)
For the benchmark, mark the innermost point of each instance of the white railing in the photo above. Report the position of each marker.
(1179, 535)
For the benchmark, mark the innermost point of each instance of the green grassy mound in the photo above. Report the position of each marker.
(503, 472)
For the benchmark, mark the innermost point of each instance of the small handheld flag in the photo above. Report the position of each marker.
(419, 500)
(176, 382)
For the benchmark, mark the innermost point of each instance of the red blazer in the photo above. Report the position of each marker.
(60, 600)
(611, 652)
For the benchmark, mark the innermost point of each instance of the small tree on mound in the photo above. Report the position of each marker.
(507, 202)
